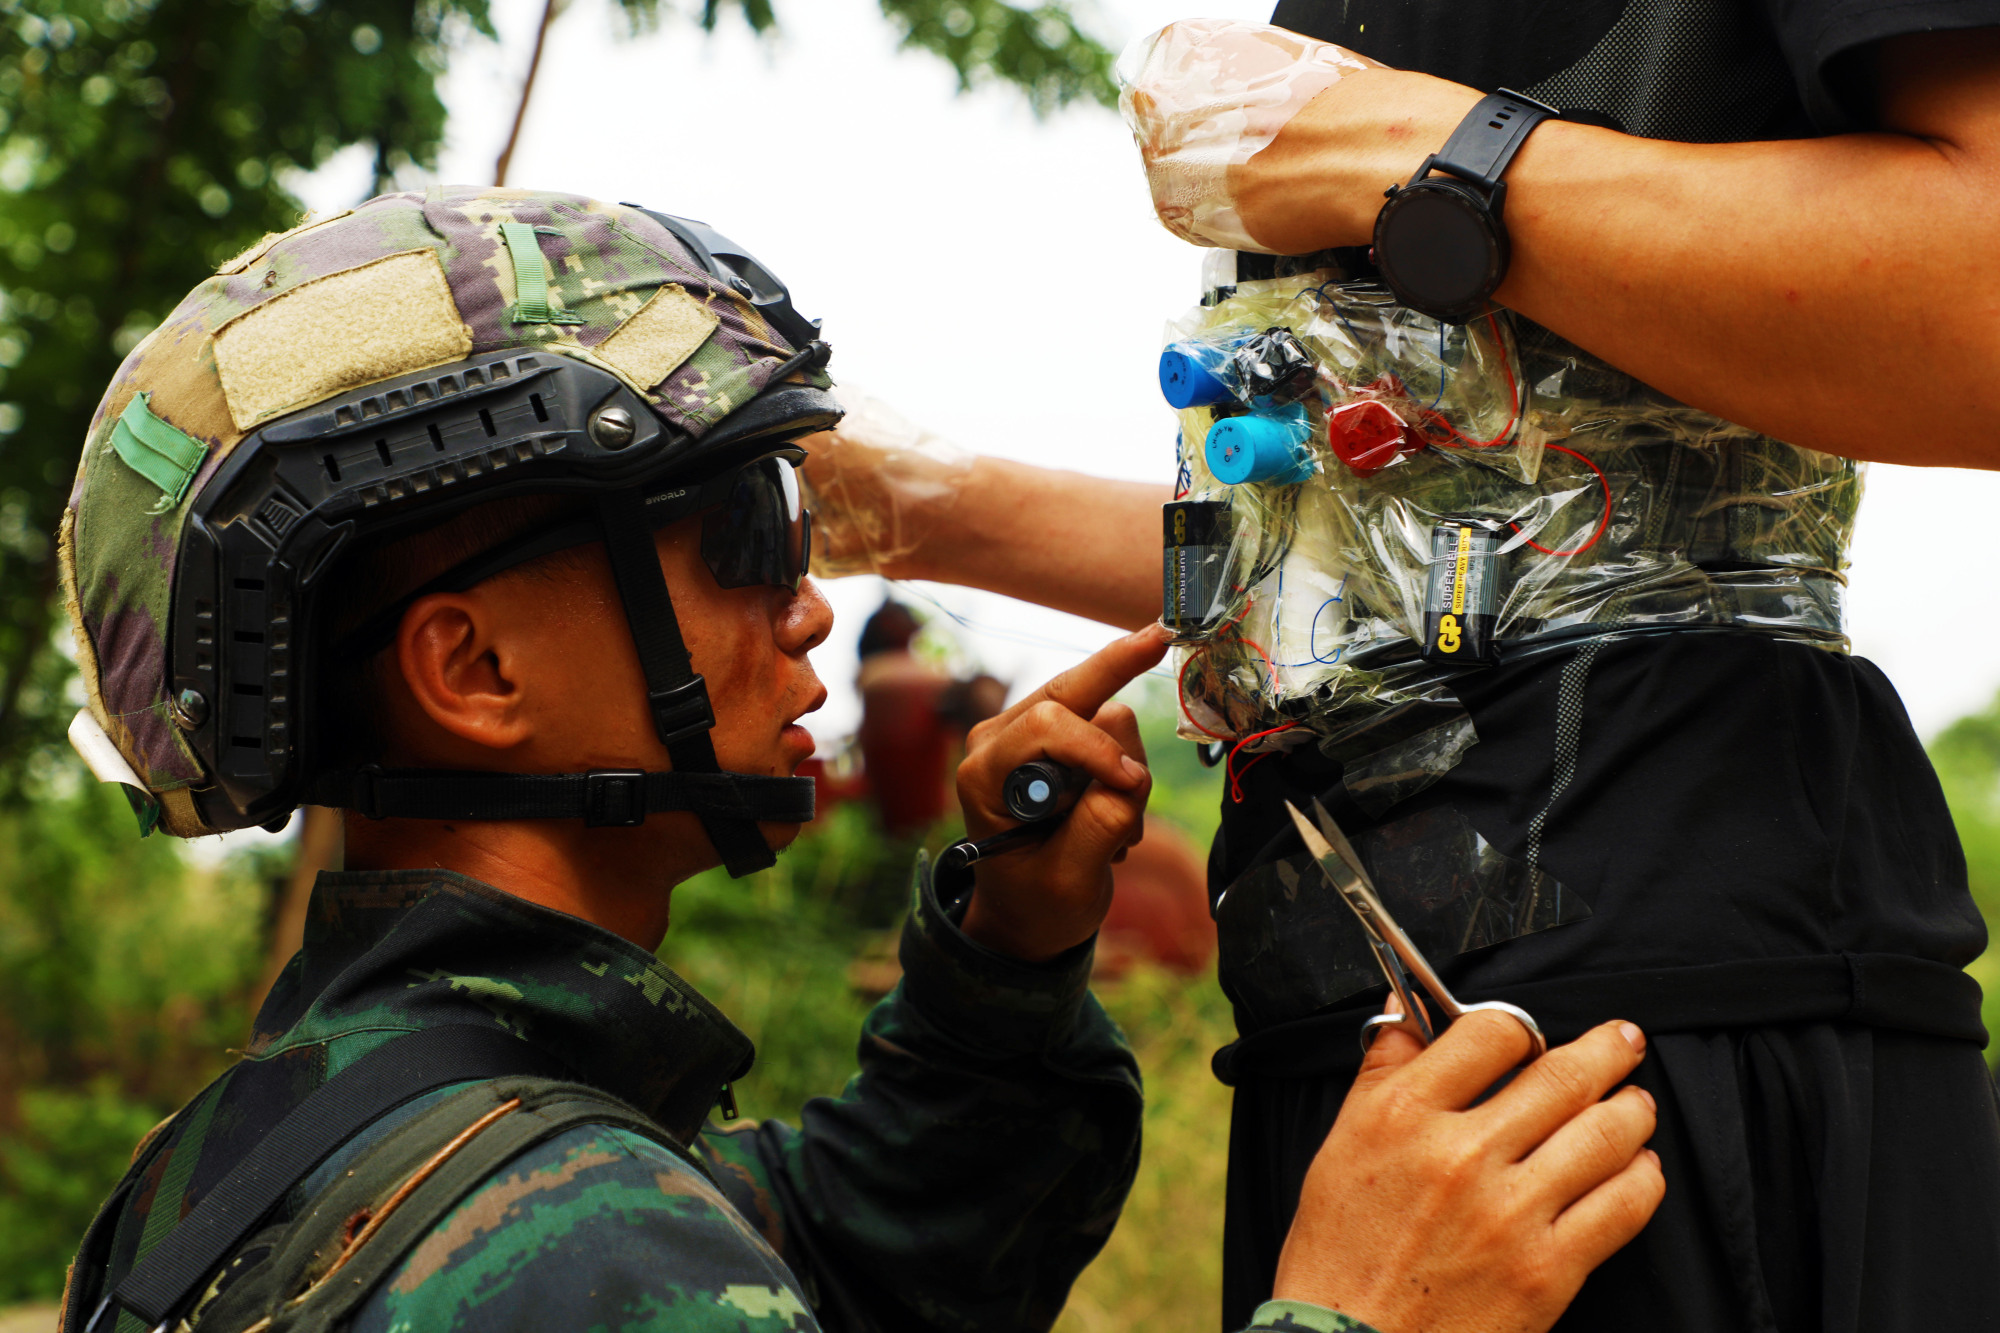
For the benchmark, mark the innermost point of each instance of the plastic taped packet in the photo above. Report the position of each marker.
(1419, 463)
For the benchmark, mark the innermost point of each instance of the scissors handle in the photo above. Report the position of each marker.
(1538, 1045)
(1403, 1021)
(1412, 1017)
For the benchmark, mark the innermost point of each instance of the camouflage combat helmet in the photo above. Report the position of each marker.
(371, 374)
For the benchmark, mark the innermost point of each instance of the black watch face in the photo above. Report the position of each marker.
(1438, 248)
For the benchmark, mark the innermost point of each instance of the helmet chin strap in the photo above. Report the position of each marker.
(729, 805)
(676, 696)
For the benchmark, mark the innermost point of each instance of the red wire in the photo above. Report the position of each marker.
(1602, 523)
(1181, 689)
(1236, 782)
(1269, 665)
(1513, 394)
(1236, 777)
(1180, 685)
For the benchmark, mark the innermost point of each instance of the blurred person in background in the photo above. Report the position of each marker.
(914, 721)
(915, 716)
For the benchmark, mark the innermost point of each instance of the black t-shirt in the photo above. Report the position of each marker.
(1701, 71)
(1711, 799)
(1734, 797)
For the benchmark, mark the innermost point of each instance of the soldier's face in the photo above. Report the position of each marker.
(535, 671)
(750, 645)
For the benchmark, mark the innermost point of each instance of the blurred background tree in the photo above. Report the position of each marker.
(142, 142)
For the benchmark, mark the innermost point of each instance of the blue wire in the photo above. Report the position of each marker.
(1312, 631)
(1352, 332)
(1312, 634)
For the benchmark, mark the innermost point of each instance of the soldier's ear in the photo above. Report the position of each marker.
(459, 670)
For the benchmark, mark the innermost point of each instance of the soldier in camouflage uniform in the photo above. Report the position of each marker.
(418, 420)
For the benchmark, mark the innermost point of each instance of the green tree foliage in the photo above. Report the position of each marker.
(144, 141)
(1967, 755)
(1041, 51)
(123, 978)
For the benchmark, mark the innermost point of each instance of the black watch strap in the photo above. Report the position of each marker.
(1491, 133)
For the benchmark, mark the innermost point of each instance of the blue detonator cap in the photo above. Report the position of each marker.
(1192, 375)
(1259, 448)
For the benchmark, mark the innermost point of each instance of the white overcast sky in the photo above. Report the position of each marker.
(1002, 280)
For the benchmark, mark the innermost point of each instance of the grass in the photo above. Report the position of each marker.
(1162, 1270)
(1967, 756)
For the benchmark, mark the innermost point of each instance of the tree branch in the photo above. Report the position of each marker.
(550, 9)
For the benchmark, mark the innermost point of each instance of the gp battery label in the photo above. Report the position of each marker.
(1462, 594)
(1195, 551)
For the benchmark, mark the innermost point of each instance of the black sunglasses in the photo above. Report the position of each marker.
(757, 531)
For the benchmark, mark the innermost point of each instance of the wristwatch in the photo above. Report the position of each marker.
(1439, 241)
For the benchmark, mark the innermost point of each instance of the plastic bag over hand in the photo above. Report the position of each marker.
(878, 485)
(1205, 95)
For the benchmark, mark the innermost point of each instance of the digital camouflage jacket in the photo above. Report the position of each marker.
(961, 1181)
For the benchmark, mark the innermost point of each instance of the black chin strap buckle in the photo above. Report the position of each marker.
(614, 798)
(681, 710)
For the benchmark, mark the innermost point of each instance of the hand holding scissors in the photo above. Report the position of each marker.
(1394, 952)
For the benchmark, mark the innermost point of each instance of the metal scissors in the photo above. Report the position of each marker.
(1394, 953)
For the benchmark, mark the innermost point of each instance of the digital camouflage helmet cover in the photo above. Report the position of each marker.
(372, 374)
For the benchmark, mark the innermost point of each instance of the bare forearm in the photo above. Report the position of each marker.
(1840, 293)
(1836, 293)
(1062, 539)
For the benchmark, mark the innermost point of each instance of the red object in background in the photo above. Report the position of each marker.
(905, 741)
(1159, 906)
(1367, 436)
(914, 719)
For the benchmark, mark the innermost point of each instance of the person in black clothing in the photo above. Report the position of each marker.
(1787, 229)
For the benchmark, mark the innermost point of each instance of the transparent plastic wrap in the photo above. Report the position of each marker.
(1204, 95)
(878, 485)
(1440, 496)
(1289, 949)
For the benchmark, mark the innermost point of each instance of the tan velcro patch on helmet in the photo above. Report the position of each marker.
(361, 325)
(661, 334)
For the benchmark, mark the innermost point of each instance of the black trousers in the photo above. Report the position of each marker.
(1820, 1176)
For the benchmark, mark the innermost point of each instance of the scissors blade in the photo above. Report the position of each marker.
(1346, 875)
(1405, 949)
(1341, 846)
(1343, 873)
